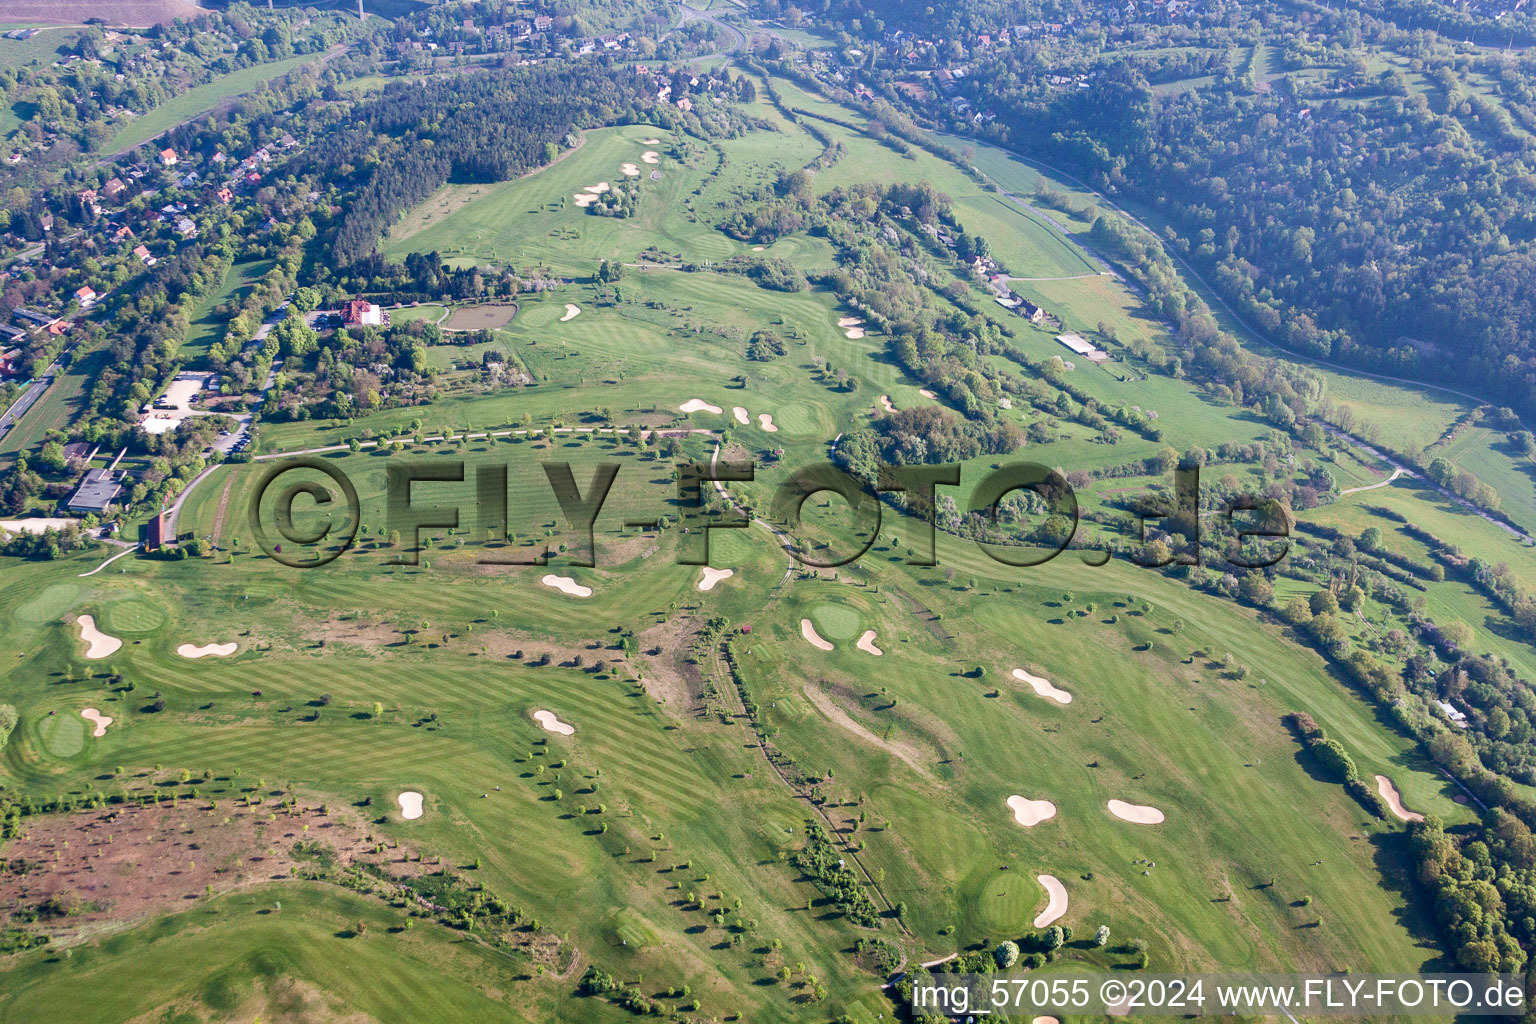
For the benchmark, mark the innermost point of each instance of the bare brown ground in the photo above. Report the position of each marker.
(129, 13)
(119, 864)
(827, 705)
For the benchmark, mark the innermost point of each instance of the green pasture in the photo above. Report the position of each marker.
(199, 100)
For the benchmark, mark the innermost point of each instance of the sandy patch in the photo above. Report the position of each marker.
(1030, 813)
(854, 333)
(849, 321)
(650, 156)
(1394, 800)
(867, 643)
(550, 723)
(101, 720)
(36, 526)
(584, 199)
(216, 650)
(650, 142)
(572, 311)
(1137, 814)
(758, 248)
(713, 576)
(630, 170)
(410, 805)
(1045, 1020)
(853, 327)
(926, 393)
(885, 402)
(566, 585)
(808, 630)
(1043, 687)
(697, 405)
(1058, 902)
(741, 415)
(765, 420)
(911, 756)
(99, 644)
(599, 188)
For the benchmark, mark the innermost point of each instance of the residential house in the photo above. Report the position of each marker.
(168, 158)
(86, 296)
(363, 313)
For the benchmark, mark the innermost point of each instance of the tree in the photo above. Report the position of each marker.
(1101, 937)
(1006, 954)
(1054, 937)
(1323, 602)
(378, 709)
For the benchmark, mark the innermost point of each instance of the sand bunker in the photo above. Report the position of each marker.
(584, 199)
(650, 156)
(885, 401)
(853, 327)
(697, 405)
(812, 637)
(926, 393)
(599, 188)
(713, 576)
(550, 723)
(566, 585)
(867, 643)
(650, 142)
(1030, 813)
(1058, 903)
(1045, 1020)
(1394, 800)
(765, 420)
(572, 311)
(630, 170)
(100, 644)
(758, 248)
(741, 415)
(1043, 687)
(101, 720)
(410, 804)
(216, 650)
(1137, 814)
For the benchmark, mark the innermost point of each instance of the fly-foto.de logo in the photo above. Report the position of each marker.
(305, 512)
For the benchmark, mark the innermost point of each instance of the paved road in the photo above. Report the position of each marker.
(19, 407)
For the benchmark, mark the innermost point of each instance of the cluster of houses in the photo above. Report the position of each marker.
(471, 36)
(14, 336)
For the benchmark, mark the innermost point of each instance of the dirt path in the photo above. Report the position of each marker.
(829, 707)
(218, 518)
(832, 829)
(1399, 471)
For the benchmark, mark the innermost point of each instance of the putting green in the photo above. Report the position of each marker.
(1006, 901)
(133, 615)
(51, 604)
(836, 621)
(798, 418)
(62, 734)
